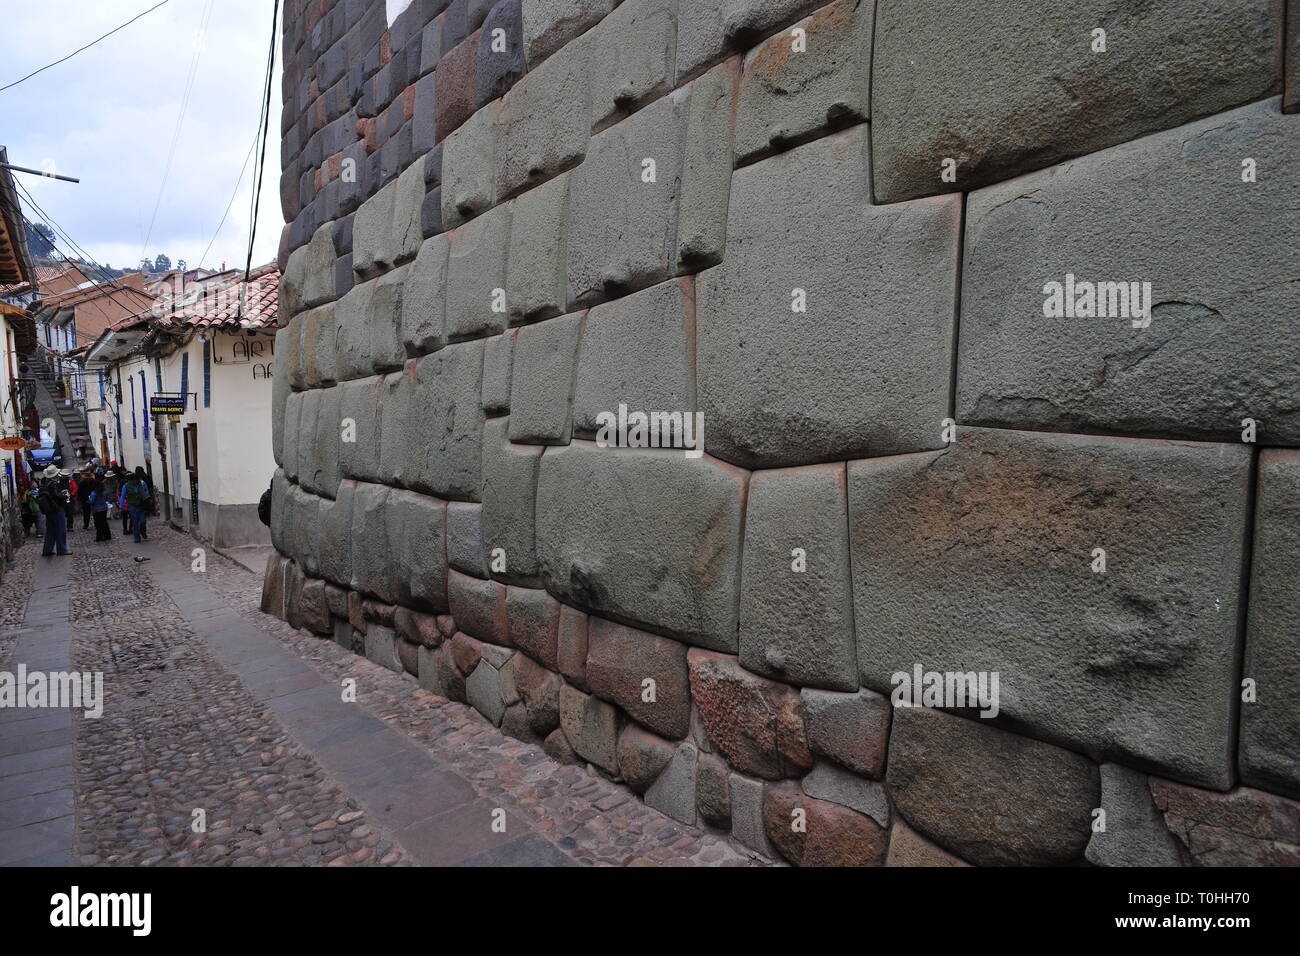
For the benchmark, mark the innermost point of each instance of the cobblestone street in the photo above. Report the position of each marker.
(210, 705)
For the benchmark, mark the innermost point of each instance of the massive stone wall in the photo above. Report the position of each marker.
(885, 249)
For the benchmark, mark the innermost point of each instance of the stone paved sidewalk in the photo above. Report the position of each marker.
(212, 705)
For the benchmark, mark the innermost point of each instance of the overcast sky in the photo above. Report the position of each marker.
(107, 116)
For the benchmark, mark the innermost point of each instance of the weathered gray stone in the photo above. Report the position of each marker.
(540, 691)
(706, 168)
(535, 141)
(620, 660)
(638, 351)
(1004, 93)
(465, 549)
(483, 689)
(428, 672)
(424, 299)
(712, 790)
(1135, 662)
(622, 228)
(408, 201)
(851, 729)
(417, 548)
(289, 446)
(541, 387)
(336, 540)
(496, 371)
(280, 391)
(447, 424)
(1198, 369)
(533, 619)
(381, 647)
(780, 387)
(535, 269)
(372, 233)
(352, 338)
(599, 548)
(829, 782)
(396, 454)
(500, 52)
(281, 488)
(468, 168)
(787, 95)
(631, 58)
(1243, 827)
(387, 353)
(359, 428)
(1022, 802)
(408, 654)
(710, 29)
(1135, 833)
(550, 24)
(747, 828)
(591, 727)
(308, 457)
(674, 792)
(319, 351)
(509, 492)
(325, 442)
(479, 607)
(642, 757)
(476, 275)
(796, 609)
(344, 635)
(290, 292)
(371, 568)
(1270, 725)
(318, 267)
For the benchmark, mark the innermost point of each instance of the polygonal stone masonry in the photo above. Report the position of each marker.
(644, 674)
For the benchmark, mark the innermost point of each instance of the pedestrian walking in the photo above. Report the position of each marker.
(30, 504)
(98, 502)
(70, 486)
(54, 506)
(137, 494)
(121, 477)
(83, 497)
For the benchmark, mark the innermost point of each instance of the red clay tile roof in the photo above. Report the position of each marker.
(227, 304)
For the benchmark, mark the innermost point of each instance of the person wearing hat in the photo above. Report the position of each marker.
(54, 504)
(83, 496)
(137, 493)
(70, 486)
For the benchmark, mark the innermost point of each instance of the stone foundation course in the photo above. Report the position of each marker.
(682, 385)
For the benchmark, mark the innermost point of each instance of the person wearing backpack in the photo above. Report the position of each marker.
(97, 502)
(83, 496)
(137, 494)
(54, 504)
(30, 504)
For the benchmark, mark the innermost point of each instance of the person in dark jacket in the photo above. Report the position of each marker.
(97, 501)
(54, 506)
(137, 493)
(83, 496)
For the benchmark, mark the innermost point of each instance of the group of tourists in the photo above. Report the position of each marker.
(97, 492)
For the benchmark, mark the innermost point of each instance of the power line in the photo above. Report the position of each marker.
(86, 47)
(261, 161)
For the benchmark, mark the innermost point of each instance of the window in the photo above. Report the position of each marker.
(192, 447)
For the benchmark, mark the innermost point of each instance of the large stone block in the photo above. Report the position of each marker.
(541, 386)
(319, 327)
(788, 94)
(326, 472)
(479, 607)
(535, 139)
(605, 550)
(352, 337)
(381, 648)
(396, 455)
(466, 551)
(309, 458)
(1134, 663)
(707, 159)
(673, 794)
(447, 424)
(496, 371)
(995, 798)
(539, 689)
(642, 757)
(500, 51)
(783, 387)
(829, 782)
(533, 621)
(454, 85)
(1003, 92)
(909, 848)
(1243, 827)
(620, 662)
(591, 726)
(371, 564)
(550, 24)
(360, 424)
(408, 203)
(851, 729)
(796, 606)
(289, 448)
(757, 724)
(1135, 833)
(1198, 369)
(571, 648)
(1270, 725)
(280, 390)
(424, 299)
(387, 352)
(509, 491)
(468, 168)
(372, 233)
(535, 276)
(830, 834)
(483, 690)
(623, 223)
(336, 538)
(417, 545)
(639, 351)
(710, 29)
(318, 267)
(631, 58)
(476, 275)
